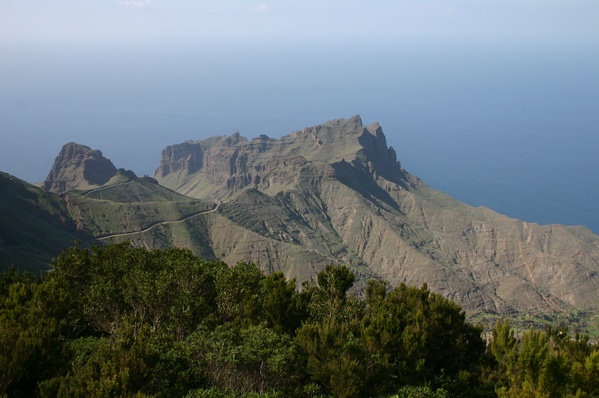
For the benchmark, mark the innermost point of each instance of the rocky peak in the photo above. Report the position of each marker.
(381, 158)
(235, 139)
(338, 132)
(78, 167)
(347, 140)
(230, 163)
(187, 156)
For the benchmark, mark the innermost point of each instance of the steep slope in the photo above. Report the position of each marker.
(335, 193)
(80, 167)
(35, 226)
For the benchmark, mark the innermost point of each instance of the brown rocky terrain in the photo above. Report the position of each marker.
(329, 194)
(335, 193)
(78, 167)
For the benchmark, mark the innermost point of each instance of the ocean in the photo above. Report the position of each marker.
(511, 127)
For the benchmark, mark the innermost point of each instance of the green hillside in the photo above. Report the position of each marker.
(143, 189)
(35, 226)
(130, 207)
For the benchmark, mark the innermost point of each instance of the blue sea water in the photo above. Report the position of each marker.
(513, 128)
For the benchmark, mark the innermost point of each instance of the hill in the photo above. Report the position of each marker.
(35, 225)
(80, 167)
(336, 194)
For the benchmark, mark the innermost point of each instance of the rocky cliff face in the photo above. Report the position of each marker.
(80, 167)
(186, 157)
(335, 193)
(220, 166)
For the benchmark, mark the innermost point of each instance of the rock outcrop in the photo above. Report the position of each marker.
(187, 157)
(80, 167)
(220, 166)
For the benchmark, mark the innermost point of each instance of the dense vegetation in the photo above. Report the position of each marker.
(120, 321)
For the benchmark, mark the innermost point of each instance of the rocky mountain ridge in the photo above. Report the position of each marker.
(220, 166)
(343, 184)
(330, 194)
(79, 167)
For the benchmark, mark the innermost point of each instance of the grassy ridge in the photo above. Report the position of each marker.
(35, 226)
(144, 189)
(130, 207)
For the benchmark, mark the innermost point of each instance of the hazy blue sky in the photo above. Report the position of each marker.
(88, 21)
(492, 101)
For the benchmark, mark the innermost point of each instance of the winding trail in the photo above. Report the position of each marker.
(159, 223)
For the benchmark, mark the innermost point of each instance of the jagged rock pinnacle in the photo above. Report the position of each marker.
(78, 167)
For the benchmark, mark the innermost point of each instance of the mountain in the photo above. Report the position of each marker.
(329, 194)
(220, 166)
(335, 193)
(80, 167)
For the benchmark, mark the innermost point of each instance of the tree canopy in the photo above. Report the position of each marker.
(122, 321)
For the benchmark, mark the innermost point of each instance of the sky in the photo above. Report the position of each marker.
(291, 21)
(459, 86)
